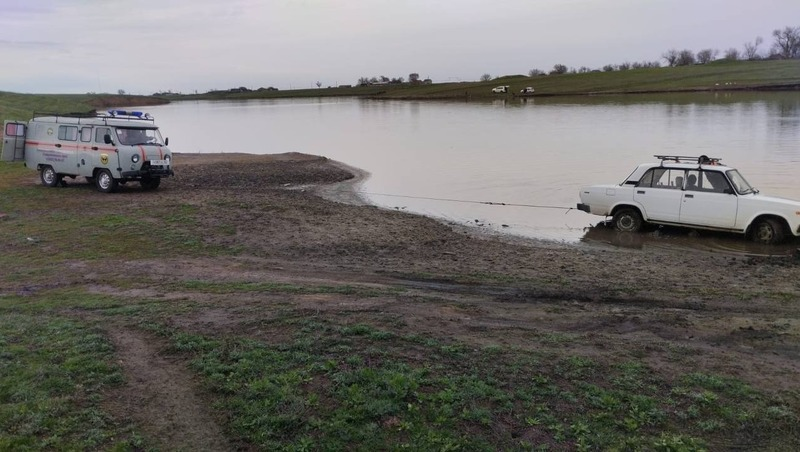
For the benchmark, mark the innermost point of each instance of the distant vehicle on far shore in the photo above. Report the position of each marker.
(526, 90)
(500, 89)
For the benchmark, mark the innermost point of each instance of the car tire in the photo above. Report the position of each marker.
(105, 182)
(627, 220)
(767, 231)
(49, 177)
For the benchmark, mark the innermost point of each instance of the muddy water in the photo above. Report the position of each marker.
(535, 153)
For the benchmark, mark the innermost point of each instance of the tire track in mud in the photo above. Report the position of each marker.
(161, 397)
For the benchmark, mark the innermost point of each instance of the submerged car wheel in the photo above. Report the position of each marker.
(627, 220)
(768, 231)
(49, 176)
(105, 182)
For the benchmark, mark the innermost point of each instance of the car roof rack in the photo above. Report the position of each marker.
(700, 160)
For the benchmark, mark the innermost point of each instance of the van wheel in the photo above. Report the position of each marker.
(49, 177)
(105, 182)
(150, 183)
(627, 220)
(768, 231)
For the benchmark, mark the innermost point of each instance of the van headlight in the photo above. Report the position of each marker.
(135, 158)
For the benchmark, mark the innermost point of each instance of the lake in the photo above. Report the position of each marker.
(532, 151)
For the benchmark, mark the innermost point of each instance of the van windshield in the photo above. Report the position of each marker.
(134, 136)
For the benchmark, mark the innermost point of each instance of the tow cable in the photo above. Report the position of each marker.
(489, 203)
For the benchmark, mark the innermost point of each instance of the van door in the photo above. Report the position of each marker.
(13, 141)
(85, 151)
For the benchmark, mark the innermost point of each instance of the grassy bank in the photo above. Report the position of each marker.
(15, 106)
(721, 75)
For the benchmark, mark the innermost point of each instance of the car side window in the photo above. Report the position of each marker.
(715, 182)
(662, 178)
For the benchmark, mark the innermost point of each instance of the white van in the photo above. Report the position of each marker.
(107, 149)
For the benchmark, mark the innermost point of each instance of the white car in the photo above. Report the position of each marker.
(527, 90)
(500, 89)
(693, 192)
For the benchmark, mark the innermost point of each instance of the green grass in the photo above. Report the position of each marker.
(14, 106)
(53, 376)
(353, 386)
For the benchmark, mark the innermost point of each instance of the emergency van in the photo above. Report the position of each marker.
(107, 149)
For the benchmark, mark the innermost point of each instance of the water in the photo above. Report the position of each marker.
(535, 151)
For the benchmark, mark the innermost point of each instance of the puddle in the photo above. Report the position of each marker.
(688, 239)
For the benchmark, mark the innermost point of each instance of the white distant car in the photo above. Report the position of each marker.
(526, 90)
(693, 192)
(500, 89)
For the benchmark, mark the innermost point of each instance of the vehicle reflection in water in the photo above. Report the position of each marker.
(689, 239)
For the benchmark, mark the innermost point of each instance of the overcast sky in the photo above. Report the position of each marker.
(144, 46)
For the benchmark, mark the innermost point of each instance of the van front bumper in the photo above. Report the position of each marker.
(584, 207)
(147, 173)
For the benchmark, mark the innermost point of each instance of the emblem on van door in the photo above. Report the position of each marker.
(49, 130)
(104, 159)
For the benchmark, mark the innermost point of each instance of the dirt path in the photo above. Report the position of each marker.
(161, 397)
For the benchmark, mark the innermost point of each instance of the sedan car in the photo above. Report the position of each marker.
(693, 192)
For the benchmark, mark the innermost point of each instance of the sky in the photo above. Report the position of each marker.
(147, 46)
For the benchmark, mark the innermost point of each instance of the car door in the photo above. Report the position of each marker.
(709, 202)
(659, 194)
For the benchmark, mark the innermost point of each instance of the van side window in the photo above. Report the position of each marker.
(69, 133)
(15, 130)
(86, 134)
(101, 132)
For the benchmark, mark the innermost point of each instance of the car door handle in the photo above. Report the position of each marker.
(58, 145)
(639, 192)
(94, 148)
(689, 196)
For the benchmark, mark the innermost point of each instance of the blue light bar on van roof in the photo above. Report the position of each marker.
(136, 114)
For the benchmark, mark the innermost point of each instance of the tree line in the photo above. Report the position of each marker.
(785, 45)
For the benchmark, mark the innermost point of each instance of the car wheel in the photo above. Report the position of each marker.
(150, 183)
(49, 177)
(105, 182)
(627, 220)
(768, 231)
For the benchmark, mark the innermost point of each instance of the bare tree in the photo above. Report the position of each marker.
(413, 77)
(685, 58)
(559, 69)
(787, 42)
(732, 54)
(535, 72)
(319, 84)
(707, 55)
(486, 77)
(751, 49)
(671, 57)
(624, 66)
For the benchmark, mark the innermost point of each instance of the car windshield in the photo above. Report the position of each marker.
(133, 137)
(739, 183)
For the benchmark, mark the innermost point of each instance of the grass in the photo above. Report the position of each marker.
(53, 375)
(352, 386)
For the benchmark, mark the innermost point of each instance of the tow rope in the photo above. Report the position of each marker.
(489, 203)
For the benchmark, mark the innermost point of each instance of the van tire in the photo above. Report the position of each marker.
(49, 176)
(105, 182)
(150, 183)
